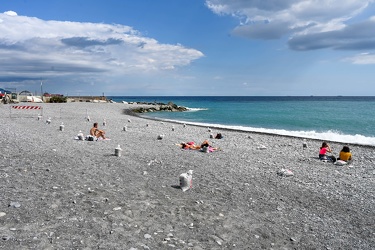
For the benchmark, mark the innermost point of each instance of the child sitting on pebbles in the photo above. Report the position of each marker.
(324, 149)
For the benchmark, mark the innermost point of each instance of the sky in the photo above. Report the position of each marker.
(188, 47)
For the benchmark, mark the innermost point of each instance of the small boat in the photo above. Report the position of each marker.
(27, 96)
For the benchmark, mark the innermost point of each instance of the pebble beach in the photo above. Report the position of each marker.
(57, 192)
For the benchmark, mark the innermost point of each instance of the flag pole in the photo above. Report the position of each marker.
(41, 89)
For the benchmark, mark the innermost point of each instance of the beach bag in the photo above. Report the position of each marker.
(333, 159)
(186, 180)
(90, 138)
(205, 149)
(340, 163)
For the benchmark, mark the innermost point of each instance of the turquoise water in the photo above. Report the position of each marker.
(344, 119)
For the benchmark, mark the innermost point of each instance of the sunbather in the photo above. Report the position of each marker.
(94, 131)
(204, 145)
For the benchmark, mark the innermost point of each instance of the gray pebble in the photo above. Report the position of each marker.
(5, 238)
(15, 204)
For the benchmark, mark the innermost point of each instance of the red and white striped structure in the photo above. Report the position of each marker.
(18, 110)
(27, 107)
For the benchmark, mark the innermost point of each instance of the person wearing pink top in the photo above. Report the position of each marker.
(324, 149)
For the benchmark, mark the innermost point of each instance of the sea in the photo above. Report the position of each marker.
(346, 119)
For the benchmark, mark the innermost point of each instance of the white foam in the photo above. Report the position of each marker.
(195, 109)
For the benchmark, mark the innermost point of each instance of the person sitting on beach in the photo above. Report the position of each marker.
(219, 136)
(324, 149)
(345, 154)
(97, 133)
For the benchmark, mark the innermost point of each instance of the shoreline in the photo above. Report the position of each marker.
(213, 126)
(58, 192)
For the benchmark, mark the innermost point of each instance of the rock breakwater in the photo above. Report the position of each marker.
(152, 107)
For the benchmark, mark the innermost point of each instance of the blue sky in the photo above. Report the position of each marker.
(188, 47)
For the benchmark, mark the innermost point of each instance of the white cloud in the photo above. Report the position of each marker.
(31, 48)
(363, 58)
(359, 36)
(10, 13)
(300, 19)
